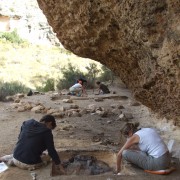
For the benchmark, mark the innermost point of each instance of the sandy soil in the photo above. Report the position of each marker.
(88, 133)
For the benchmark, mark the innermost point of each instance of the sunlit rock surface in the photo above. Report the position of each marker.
(27, 20)
(138, 40)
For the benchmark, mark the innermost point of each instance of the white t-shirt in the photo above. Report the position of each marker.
(76, 88)
(77, 85)
(151, 143)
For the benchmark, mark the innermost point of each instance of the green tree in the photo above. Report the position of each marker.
(70, 76)
(92, 73)
(49, 85)
(106, 74)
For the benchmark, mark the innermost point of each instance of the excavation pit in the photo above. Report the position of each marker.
(84, 162)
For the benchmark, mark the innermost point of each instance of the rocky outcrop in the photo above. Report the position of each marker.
(28, 20)
(138, 40)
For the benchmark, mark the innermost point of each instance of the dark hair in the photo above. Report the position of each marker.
(49, 118)
(98, 82)
(83, 80)
(129, 127)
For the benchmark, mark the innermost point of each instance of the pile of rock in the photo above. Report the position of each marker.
(71, 110)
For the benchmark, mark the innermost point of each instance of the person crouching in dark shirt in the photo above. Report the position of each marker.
(103, 89)
(35, 138)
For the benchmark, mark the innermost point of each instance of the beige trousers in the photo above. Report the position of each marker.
(12, 161)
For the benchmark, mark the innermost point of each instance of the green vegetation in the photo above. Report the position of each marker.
(12, 88)
(92, 74)
(72, 73)
(49, 85)
(33, 65)
(45, 68)
(12, 37)
(106, 74)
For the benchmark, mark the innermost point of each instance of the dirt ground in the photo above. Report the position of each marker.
(90, 132)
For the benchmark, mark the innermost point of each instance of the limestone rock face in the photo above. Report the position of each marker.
(138, 40)
(28, 20)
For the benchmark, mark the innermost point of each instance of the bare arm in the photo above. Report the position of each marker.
(84, 91)
(132, 140)
(99, 90)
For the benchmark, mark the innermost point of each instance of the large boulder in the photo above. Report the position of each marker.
(138, 40)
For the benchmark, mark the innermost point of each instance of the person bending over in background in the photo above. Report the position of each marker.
(103, 89)
(84, 84)
(34, 138)
(76, 89)
(153, 153)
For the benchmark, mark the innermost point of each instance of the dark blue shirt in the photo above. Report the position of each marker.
(34, 138)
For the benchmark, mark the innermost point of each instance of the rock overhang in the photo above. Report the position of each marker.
(138, 40)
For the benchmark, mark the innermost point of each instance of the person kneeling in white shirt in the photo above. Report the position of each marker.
(152, 153)
(76, 89)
